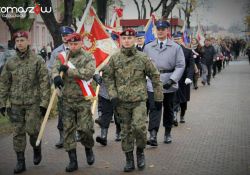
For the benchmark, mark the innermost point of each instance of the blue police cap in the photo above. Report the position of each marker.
(65, 30)
(162, 24)
(177, 35)
(140, 34)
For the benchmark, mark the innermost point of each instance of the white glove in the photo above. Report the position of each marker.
(188, 81)
(195, 56)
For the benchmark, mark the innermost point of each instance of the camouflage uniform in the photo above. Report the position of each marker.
(25, 82)
(125, 77)
(76, 110)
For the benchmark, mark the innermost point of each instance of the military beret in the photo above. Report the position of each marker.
(177, 35)
(128, 32)
(20, 34)
(65, 30)
(74, 37)
(162, 24)
(140, 34)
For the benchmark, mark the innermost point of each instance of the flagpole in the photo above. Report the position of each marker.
(86, 11)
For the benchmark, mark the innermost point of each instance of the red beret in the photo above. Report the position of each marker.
(74, 37)
(128, 32)
(20, 34)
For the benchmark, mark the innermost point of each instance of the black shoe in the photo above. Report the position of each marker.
(153, 138)
(118, 137)
(130, 164)
(37, 155)
(20, 166)
(208, 83)
(140, 158)
(196, 87)
(73, 165)
(59, 144)
(167, 137)
(90, 156)
(182, 119)
(204, 83)
(103, 138)
(97, 121)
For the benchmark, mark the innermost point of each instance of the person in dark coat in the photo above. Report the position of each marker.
(197, 55)
(183, 93)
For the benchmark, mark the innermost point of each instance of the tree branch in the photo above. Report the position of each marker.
(68, 9)
(138, 9)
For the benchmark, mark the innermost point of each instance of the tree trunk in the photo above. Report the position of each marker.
(138, 9)
(144, 10)
(101, 10)
(68, 9)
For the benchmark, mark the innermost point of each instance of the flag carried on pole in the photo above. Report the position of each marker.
(96, 40)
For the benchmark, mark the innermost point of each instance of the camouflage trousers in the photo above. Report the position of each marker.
(132, 117)
(24, 119)
(77, 116)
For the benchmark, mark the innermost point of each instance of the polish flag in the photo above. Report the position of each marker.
(85, 86)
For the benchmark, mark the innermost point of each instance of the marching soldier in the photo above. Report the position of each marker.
(125, 78)
(65, 31)
(76, 110)
(169, 59)
(25, 82)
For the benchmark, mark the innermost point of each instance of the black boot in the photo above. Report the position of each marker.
(130, 164)
(59, 144)
(37, 155)
(118, 136)
(73, 165)
(103, 138)
(153, 138)
(90, 156)
(167, 137)
(140, 158)
(20, 166)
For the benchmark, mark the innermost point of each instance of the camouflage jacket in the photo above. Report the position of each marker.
(85, 69)
(24, 80)
(125, 76)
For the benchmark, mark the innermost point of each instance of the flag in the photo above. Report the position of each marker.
(96, 40)
(149, 31)
(185, 36)
(85, 86)
(199, 35)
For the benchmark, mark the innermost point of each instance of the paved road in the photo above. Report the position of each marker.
(214, 141)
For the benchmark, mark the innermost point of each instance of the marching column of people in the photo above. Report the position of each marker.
(137, 82)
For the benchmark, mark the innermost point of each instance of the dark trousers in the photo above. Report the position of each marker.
(214, 69)
(60, 114)
(154, 114)
(49, 54)
(219, 65)
(209, 72)
(106, 110)
(168, 111)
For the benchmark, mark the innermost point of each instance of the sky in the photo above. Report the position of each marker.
(221, 12)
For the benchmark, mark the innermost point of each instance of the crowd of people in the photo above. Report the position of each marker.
(140, 81)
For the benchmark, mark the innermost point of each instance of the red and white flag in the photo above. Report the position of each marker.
(96, 40)
(85, 86)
